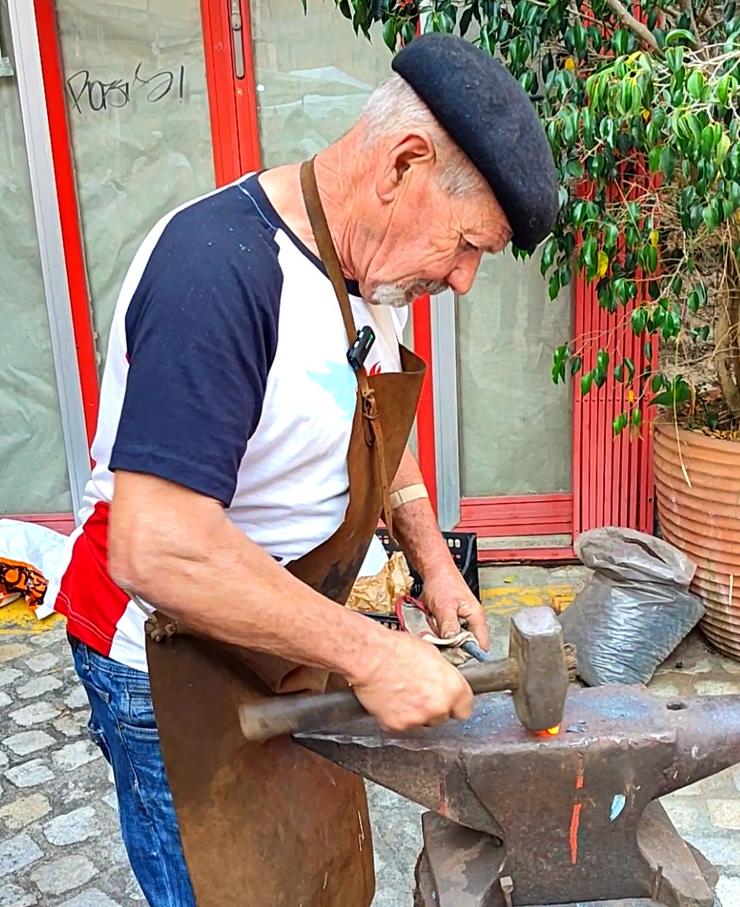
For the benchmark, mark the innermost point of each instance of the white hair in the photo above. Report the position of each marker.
(395, 106)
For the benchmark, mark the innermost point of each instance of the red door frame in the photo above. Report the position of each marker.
(421, 320)
(232, 101)
(66, 187)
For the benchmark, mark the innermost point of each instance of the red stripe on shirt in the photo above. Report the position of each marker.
(91, 601)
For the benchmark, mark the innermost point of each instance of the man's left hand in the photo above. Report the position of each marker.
(450, 601)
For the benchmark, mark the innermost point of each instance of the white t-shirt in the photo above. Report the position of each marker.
(226, 373)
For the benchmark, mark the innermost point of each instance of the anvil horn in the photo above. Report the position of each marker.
(707, 738)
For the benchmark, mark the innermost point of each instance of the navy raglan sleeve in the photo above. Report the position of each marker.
(201, 334)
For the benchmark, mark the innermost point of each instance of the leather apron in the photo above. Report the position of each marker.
(271, 824)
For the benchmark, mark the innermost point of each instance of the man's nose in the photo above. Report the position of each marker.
(461, 277)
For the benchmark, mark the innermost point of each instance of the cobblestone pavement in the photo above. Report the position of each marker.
(59, 839)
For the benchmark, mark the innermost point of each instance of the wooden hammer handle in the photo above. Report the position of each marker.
(293, 713)
(491, 676)
(303, 712)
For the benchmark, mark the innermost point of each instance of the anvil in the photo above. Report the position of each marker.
(520, 819)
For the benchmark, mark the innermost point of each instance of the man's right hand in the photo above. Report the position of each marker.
(408, 684)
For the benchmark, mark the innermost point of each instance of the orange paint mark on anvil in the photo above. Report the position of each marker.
(575, 817)
(575, 820)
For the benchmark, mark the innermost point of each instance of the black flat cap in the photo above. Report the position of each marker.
(489, 116)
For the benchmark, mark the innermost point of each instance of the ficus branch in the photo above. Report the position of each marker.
(640, 30)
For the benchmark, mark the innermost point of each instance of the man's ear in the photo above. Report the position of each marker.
(413, 150)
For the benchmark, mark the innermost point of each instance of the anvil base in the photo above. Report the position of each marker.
(459, 867)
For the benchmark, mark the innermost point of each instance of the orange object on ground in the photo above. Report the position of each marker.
(21, 580)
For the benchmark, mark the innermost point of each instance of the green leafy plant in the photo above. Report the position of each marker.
(642, 110)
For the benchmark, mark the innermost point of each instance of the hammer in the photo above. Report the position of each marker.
(537, 672)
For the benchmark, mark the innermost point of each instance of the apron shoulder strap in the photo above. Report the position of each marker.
(330, 260)
(327, 250)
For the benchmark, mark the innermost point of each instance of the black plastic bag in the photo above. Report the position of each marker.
(635, 609)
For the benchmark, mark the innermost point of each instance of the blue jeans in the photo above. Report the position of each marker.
(122, 724)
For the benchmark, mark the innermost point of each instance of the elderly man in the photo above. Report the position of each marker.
(255, 408)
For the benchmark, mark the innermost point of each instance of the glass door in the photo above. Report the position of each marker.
(137, 102)
(34, 477)
(505, 455)
(515, 424)
(312, 76)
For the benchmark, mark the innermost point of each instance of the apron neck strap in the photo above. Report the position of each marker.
(330, 260)
(327, 250)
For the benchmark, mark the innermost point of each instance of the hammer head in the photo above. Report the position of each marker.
(536, 645)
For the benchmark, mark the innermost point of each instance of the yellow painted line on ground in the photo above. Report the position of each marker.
(508, 599)
(19, 618)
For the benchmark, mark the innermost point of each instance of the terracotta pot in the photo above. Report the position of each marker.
(703, 520)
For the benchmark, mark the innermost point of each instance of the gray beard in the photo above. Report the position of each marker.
(399, 295)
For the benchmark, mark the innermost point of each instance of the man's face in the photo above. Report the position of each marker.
(429, 241)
